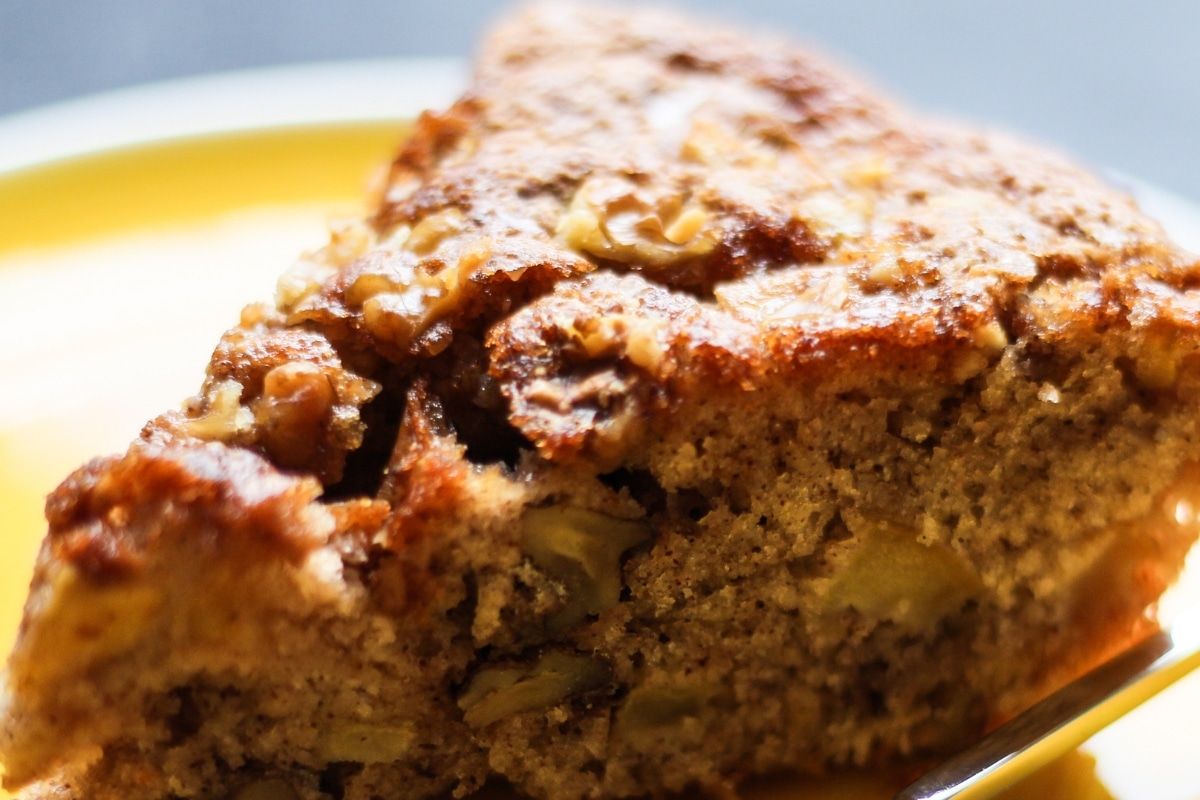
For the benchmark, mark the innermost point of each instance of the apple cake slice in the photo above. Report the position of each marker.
(684, 411)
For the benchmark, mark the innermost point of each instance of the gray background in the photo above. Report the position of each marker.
(1117, 83)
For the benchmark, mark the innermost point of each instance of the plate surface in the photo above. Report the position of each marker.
(120, 267)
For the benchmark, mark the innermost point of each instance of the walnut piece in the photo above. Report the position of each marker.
(225, 418)
(637, 338)
(616, 220)
(348, 240)
(427, 234)
(296, 404)
(400, 297)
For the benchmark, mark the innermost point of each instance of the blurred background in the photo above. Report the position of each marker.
(1116, 82)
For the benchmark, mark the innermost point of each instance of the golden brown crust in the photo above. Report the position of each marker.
(426, 475)
(777, 192)
(108, 515)
(424, 484)
(625, 210)
(282, 391)
(584, 367)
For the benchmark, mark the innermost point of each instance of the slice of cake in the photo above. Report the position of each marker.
(683, 412)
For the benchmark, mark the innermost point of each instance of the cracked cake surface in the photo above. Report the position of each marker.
(683, 411)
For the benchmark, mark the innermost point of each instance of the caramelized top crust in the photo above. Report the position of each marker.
(280, 390)
(627, 208)
(586, 366)
(111, 513)
(734, 170)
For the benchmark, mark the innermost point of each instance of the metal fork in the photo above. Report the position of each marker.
(1065, 719)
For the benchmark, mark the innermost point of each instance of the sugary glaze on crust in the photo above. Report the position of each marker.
(811, 220)
(107, 515)
(768, 213)
(797, 214)
(632, 230)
